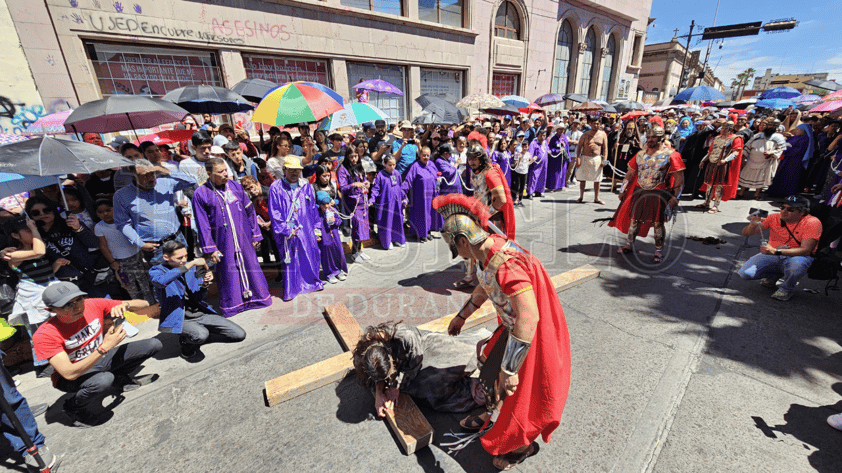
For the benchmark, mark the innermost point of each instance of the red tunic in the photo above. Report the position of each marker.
(621, 219)
(544, 379)
(729, 189)
(495, 178)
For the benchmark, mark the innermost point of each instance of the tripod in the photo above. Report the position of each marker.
(31, 448)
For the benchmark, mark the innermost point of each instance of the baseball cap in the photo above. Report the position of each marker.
(796, 202)
(445, 148)
(15, 225)
(520, 133)
(217, 150)
(379, 122)
(118, 141)
(58, 295)
(292, 162)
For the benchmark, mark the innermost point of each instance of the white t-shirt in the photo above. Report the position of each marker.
(573, 136)
(194, 168)
(118, 244)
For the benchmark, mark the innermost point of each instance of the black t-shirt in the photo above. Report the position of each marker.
(97, 186)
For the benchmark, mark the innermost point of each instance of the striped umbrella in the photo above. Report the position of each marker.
(52, 124)
(353, 114)
(297, 102)
(516, 101)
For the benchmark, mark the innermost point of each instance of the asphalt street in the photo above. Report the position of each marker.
(677, 367)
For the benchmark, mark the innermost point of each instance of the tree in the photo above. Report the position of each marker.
(742, 80)
(735, 84)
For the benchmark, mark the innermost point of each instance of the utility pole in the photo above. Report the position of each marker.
(710, 43)
(686, 53)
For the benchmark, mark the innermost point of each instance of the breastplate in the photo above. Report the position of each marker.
(481, 191)
(651, 170)
(488, 281)
(718, 147)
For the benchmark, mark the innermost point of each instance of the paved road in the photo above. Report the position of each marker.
(681, 367)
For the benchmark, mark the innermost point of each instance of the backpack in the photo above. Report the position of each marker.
(825, 265)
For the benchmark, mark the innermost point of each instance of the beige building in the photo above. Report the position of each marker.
(661, 69)
(796, 81)
(81, 50)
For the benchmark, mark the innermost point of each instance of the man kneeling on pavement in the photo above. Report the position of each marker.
(181, 291)
(788, 253)
(87, 361)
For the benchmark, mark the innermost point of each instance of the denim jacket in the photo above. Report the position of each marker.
(170, 288)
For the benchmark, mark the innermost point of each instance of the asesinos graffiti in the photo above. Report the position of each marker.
(15, 117)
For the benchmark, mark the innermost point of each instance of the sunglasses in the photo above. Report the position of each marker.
(38, 213)
(785, 208)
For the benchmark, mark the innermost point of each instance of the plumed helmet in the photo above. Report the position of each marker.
(728, 124)
(463, 215)
(657, 131)
(475, 150)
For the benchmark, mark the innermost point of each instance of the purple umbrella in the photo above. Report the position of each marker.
(122, 112)
(549, 99)
(379, 85)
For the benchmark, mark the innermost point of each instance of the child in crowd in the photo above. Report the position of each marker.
(76, 207)
(388, 199)
(334, 265)
(124, 258)
(354, 188)
(520, 168)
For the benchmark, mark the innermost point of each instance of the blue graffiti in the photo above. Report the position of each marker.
(137, 9)
(118, 7)
(74, 3)
(20, 116)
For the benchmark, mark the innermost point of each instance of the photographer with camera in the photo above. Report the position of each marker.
(405, 149)
(181, 289)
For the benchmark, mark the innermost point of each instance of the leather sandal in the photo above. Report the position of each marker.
(513, 459)
(473, 422)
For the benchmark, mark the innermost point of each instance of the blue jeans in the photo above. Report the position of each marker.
(791, 268)
(21, 408)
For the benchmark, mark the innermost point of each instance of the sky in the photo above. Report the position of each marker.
(812, 46)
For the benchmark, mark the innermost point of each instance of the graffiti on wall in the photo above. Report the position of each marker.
(122, 24)
(16, 116)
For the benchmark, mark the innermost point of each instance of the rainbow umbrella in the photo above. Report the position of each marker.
(353, 114)
(297, 102)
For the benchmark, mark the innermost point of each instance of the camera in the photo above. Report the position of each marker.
(410, 141)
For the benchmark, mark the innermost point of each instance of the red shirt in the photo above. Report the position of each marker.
(78, 339)
(809, 227)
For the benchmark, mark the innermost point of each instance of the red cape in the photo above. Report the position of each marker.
(544, 379)
(494, 178)
(621, 220)
(729, 191)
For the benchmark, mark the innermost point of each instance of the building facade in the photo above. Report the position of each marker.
(661, 69)
(796, 81)
(82, 50)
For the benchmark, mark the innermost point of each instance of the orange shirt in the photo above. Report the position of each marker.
(809, 227)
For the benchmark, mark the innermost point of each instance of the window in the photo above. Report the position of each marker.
(507, 22)
(587, 62)
(636, 53)
(390, 7)
(504, 84)
(443, 83)
(393, 105)
(608, 68)
(563, 47)
(133, 70)
(281, 70)
(446, 12)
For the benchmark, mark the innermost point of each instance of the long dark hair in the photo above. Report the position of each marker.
(58, 221)
(353, 169)
(373, 355)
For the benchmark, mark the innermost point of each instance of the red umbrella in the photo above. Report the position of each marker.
(166, 137)
(531, 108)
(634, 114)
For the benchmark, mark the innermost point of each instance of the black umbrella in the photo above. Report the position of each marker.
(728, 104)
(439, 112)
(824, 84)
(427, 99)
(628, 106)
(576, 98)
(46, 156)
(609, 109)
(502, 111)
(122, 112)
(208, 99)
(253, 89)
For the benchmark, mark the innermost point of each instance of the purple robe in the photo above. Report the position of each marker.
(300, 257)
(356, 202)
(420, 187)
(788, 175)
(557, 165)
(537, 180)
(332, 254)
(242, 285)
(450, 182)
(502, 159)
(388, 197)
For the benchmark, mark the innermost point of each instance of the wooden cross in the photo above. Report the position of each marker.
(407, 421)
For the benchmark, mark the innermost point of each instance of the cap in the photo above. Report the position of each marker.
(217, 150)
(15, 225)
(405, 125)
(292, 162)
(369, 166)
(486, 125)
(445, 148)
(118, 141)
(367, 126)
(520, 133)
(796, 202)
(303, 125)
(323, 197)
(58, 295)
(379, 122)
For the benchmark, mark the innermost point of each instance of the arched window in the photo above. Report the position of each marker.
(587, 62)
(608, 68)
(563, 47)
(507, 22)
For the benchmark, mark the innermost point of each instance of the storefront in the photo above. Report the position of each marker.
(393, 105)
(281, 70)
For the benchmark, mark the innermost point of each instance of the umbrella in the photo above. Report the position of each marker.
(502, 111)
(478, 101)
(208, 99)
(576, 98)
(701, 93)
(515, 100)
(807, 98)
(780, 93)
(727, 104)
(774, 103)
(744, 104)
(353, 114)
(52, 124)
(427, 99)
(6, 138)
(442, 112)
(122, 112)
(253, 89)
(609, 109)
(46, 156)
(832, 97)
(824, 84)
(587, 107)
(549, 99)
(634, 114)
(297, 102)
(827, 106)
(166, 137)
(379, 85)
(628, 106)
(13, 184)
(530, 108)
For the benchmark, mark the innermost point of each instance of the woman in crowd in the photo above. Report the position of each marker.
(354, 188)
(389, 199)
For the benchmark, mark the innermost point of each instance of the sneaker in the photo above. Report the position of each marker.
(332, 280)
(357, 258)
(51, 461)
(38, 409)
(397, 245)
(130, 384)
(782, 295)
(81, 418)
(539, 194)
(342, 276)
(528, 197)
(364, 256)
(769, 282)
(191, 353)
(835, 421)
(435, 236)
(44, 371)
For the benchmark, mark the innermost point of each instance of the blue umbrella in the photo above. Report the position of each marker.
(12, 184)
(516, 101)
(774, 103)
(698, 94)
(807, 98)
(780, 93)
